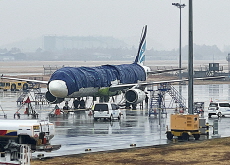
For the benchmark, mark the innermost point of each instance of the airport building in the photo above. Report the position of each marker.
(57, 43)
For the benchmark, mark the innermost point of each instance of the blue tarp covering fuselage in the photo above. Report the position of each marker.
(101, 76)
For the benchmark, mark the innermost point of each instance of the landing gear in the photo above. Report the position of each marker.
(76, 103)
(66, 106)
(79, 104)
(128, 106)
(82, 104)
(134, 106)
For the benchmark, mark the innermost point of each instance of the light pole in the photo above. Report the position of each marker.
(190, 59)
(179, 5)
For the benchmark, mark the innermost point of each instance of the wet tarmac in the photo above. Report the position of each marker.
(78, 131)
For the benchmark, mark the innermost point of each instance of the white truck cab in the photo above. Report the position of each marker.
(219, 109)
(106, 111)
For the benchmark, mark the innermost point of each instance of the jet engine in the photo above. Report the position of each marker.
(135, 96)
(52, 99)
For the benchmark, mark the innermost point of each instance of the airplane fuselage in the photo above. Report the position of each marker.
(93, 81)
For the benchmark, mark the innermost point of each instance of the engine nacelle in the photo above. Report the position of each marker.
(52, 99)
(135, 96)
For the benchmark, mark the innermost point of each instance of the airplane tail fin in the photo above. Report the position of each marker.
(140, 58)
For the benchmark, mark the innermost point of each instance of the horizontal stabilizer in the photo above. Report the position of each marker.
(163, 71)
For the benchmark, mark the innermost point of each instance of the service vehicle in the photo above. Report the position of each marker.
(219, 109)
(199, 107)
(14, 85)
(36, 133)
(183, 126)
(106, 111)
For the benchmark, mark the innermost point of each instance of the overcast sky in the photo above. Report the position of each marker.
(23, 19)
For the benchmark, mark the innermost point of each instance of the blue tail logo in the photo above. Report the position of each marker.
(140, 58)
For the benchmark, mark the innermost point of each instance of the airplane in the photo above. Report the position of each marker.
(102, 81)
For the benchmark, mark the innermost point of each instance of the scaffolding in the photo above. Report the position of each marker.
(30, 111)
(39, 97)
(157, 98)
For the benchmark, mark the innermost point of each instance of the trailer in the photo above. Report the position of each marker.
(35, 133)
(183, 126)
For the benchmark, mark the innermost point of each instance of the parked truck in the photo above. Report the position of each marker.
(35, 133)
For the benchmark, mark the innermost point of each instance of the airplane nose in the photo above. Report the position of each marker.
(58, 88)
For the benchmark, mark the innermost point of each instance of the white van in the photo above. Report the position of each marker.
(106, 111)
(219, 109)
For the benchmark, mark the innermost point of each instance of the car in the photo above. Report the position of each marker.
(219, 109)
(106, 111)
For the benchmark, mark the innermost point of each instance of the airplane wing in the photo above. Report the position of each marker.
(120, 86)
(27, 80)
(144, 84)
(163, 71)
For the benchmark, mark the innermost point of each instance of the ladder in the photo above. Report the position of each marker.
(22, 97)
(176, 96)
(25, 154)
(157, 98)
(157, 103)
